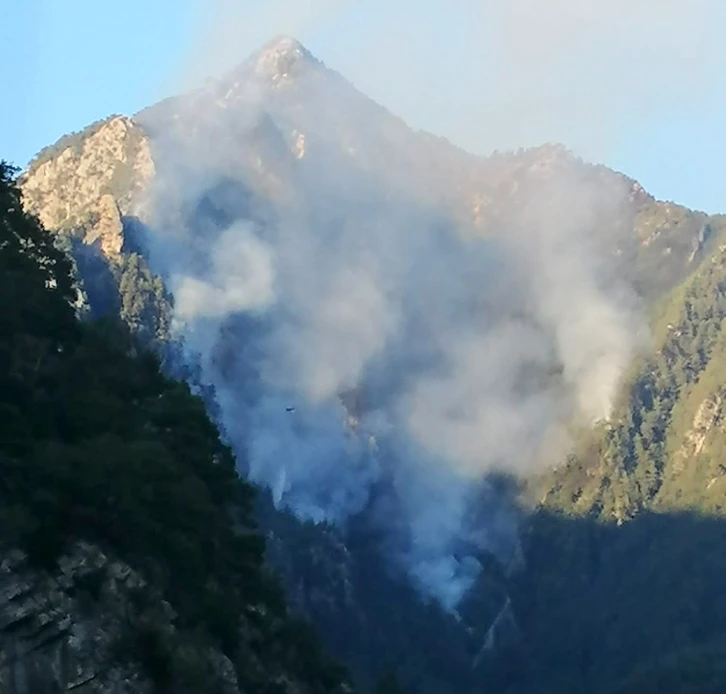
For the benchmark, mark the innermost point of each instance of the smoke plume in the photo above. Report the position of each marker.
(370, 354)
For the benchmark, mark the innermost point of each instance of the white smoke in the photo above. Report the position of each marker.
(466, 356)
(305, 457)
(240, 278)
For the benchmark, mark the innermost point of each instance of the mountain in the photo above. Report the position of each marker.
(482, 395)
(130, 560)
(645, 494)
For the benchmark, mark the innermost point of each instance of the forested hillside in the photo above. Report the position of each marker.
(625, 547)
(130, 560)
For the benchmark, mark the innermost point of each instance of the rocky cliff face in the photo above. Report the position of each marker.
(113, 159)
(89, 186)
(83, 626)
(107, 229)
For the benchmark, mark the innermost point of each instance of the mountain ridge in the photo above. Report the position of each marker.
(302, 151)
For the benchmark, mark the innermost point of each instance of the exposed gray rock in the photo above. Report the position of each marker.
(74, 629)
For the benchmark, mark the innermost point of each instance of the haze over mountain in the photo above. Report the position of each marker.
(608, 78)
(384, 326)
(313, 247)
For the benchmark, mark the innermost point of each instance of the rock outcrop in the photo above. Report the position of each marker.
(107, 230)
(79, 627)
(707, 416)
(114, 159)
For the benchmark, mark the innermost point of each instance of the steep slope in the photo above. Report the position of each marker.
(129, 558)
(282, 126)
(669, 414)
(282, 142)
(338, 594)
(625, 549)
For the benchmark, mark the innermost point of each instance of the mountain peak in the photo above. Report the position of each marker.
(283, 43)
(280, 57)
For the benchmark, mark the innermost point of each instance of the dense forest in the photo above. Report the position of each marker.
(625, 547)
(98, 446)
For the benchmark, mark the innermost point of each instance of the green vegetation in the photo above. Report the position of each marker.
(97, 444)
(623, 588)
(639, 459)
(372, 620)
(600, 600)
(145, 306)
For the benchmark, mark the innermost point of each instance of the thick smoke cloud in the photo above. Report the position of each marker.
(368, 357)
(242, 270)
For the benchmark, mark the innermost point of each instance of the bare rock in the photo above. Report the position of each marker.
(114, 160)
(108, 230)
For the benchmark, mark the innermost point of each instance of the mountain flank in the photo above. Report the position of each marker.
(600, 571)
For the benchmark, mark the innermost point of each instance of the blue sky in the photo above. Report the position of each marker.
(635, 84)
(69, 62)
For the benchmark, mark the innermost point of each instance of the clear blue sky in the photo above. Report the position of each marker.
(634, 84)
(69, 62)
